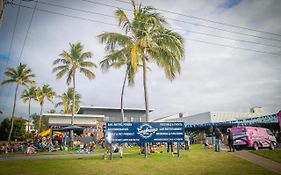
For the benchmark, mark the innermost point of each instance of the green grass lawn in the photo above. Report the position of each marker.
(195, 161)
(274, 155)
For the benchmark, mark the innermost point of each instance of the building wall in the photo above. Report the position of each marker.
(115, 115)
(66, 120)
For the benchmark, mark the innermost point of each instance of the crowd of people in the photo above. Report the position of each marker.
(61, 142)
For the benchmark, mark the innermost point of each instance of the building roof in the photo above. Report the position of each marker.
(112, 108)
(75, 115)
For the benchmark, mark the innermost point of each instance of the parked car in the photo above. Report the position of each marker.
(253, 137)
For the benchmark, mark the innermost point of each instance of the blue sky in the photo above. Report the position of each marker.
(213, 78)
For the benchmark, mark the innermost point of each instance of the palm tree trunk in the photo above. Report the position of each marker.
(145, 89)
(122, 96)
(40, 118)
(28, 115)
(13, 114)
(72, 111)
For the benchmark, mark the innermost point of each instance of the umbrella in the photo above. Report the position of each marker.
(72, 127)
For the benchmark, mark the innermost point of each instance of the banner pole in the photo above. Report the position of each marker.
(111, 156)
(145, 150)
(178, 149)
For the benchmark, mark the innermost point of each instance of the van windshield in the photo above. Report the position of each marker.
(238, 131)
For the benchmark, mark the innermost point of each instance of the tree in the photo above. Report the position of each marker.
(66, 101)
(27, 95)
(52, 111)
(41, 93)
(36, 122)
(69, 63)
(21, 76)
(146, 39)
(117, 59)
(19, 132)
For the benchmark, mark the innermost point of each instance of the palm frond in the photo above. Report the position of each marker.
(89, 74)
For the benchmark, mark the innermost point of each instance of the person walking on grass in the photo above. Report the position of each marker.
(230, 140)
(218, 136)
(170, 145)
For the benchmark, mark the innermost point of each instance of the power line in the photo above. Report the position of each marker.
(233, 47)
(96, 21)
(201, 33)
(27, 32)
(11, 44)
(192, 23)
(208, 20)
(24, 42)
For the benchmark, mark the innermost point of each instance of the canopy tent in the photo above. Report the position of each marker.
(243, 122)
(72, 127)
(44, 133)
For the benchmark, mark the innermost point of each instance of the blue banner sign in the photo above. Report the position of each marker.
(118, 132)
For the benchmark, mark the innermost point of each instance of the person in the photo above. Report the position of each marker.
(121, 150)
(186, 142)
(230, 140)
(218, 136)
(65, 139)
(30, 149)
(170, 144)
(60, 139)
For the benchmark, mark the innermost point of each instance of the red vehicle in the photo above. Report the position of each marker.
(253, 137)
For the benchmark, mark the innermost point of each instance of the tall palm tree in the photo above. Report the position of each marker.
(66, 101)
(146, 39)
(68, 64)
(27, 95)
(21, 75)
(46, 92)
(117, 60)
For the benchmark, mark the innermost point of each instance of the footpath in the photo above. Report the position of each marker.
(40, 156)
(259, 160)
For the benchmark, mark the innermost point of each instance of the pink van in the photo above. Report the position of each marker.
(253, 137)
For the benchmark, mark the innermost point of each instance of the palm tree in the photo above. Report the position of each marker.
(21, 76)
(117, 60)
(69, 63)
(27, 95)
(66, 101)
(146, 39)
(41, 93)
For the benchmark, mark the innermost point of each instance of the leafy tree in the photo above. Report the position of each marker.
(43, 124)
(27, 95)
(19, 132)
(21, 76)
(46, 92)
(66, 101)
(117, 59)
(146, 39)
(68, 64)
(52, 111)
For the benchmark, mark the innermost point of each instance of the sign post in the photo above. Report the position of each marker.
(178, 149)
(145, 150)
(111, 156)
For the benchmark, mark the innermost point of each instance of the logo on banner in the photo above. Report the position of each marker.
(146, 131)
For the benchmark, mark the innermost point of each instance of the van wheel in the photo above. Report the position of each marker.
(255, 146)
(271, 146)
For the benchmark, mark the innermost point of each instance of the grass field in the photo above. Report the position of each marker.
(195, 161)
(274, 155)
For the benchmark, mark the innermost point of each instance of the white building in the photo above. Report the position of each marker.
(214, 116)
(89, 116)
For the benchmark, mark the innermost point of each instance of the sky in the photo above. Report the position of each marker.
(213, 77)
